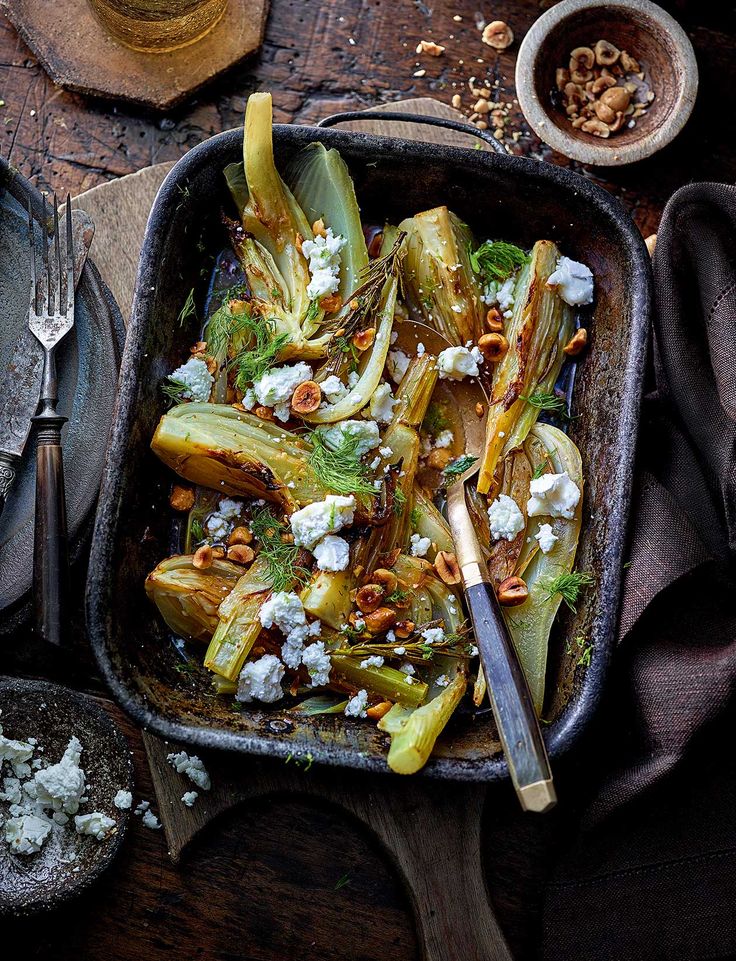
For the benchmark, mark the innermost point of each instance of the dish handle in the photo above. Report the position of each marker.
(392, 115)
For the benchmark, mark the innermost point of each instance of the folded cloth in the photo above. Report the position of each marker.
(649, 869)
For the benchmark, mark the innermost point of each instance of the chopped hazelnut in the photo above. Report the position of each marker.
(498, 35)
(181, 498)
(430, 47)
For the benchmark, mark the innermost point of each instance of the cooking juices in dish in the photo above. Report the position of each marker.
(317, 570)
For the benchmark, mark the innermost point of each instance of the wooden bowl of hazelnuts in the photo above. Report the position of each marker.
(606, 83)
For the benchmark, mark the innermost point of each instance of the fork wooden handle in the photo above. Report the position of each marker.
(50, 555)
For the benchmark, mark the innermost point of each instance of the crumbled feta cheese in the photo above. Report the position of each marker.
(501, 294)
(397, 363)
(313, 522)
(11, 790)
(366, 432)
(546, 537)
(283, 610)
(142, 807)
(189, 797)
(353, 378)
(505, 518)
(442, 681)
(444, 439)
(332, 553)
(15, 753)
(229, 508)
(275, 387)
(96, 824)
(419, 545)
(151, 821)
(192, 767)
(123, 800)
(261, 680)
(385, 452)
(399, 650)
(356, 706)
(317, 663)
(433, 635)
(61, 786)
(323, 254)
(455, 363)
(553, 494)
(374, 661)
(574, 282)
(421, 349)
(408, 668)
(195, 378)
(382, 404)
(26, 834)
(333, 389)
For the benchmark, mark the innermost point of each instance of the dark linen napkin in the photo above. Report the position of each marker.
(648, 870)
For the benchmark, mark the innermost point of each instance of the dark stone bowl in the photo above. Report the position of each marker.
(499, 196)
(52, 714)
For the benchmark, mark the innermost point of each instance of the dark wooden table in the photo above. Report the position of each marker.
(289, 880)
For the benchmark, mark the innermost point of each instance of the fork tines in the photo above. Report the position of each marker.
(51, 292)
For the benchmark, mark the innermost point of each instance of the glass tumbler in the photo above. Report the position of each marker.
(155, 26)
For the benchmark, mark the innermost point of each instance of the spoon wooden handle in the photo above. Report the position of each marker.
(511, 700)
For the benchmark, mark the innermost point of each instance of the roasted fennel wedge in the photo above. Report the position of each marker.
(440, 284)
(531, 623)
(541, 325)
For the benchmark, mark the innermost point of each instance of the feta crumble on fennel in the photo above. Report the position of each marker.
(313, 522)
(506, 520)
(261, 680)
(356, 706)
(546, 538)
(196, 380)
(323, 254)
(574, 282)
(455, 363)
(554, 494)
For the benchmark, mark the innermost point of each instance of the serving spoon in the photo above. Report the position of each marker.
(511, 700)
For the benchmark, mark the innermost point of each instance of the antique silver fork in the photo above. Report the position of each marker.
(50, 323)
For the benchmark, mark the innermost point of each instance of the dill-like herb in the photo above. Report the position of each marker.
(339, 468)
(569, 586)
(497, 260)
(397, 597)
(427, 651)
(434, 420)
(280, 557)
(414, 517)
(345, 879)
(188, 310)
(261, 354)
(186, 667)
(544, 400)
(399, 501)
(457, 467)
(196, 530)
(174, 390)
(539, 470)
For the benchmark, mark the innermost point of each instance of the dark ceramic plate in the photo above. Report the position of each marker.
(68, 862)
(517, 199)
(88, 362)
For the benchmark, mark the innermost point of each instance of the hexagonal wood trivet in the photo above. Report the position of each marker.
(78, 53)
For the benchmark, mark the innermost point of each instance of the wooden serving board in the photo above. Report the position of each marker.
(430, 829)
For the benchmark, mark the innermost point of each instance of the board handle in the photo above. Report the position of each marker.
(392, 115)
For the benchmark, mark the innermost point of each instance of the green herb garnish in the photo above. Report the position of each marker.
(544, 400)
(569, 586)
(188, 310)
(340, 468)
(434, 420)
(264, 346)
(414, 517)
(196, 530)
(497, 260)
(398, 596)
(346, 346)
(280, 557)
(399, 501)
(174, 390)
(456, 468)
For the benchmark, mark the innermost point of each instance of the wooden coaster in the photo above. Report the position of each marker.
(78, 53)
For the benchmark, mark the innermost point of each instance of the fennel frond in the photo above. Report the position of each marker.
(281, 558)
(497, 260)
(174, 390)
(340, 469)
(457, 468)
(188, 310)
(549, 402)
(568, 586)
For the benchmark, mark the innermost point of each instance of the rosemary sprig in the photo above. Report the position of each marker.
(416, 648)
(551, 403)
(569, 586)
(188, 310)
(457, 468)
(340, 468)
(497, 260)
(364, 301)
(281, 557)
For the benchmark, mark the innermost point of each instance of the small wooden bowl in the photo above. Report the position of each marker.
(646, 32)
